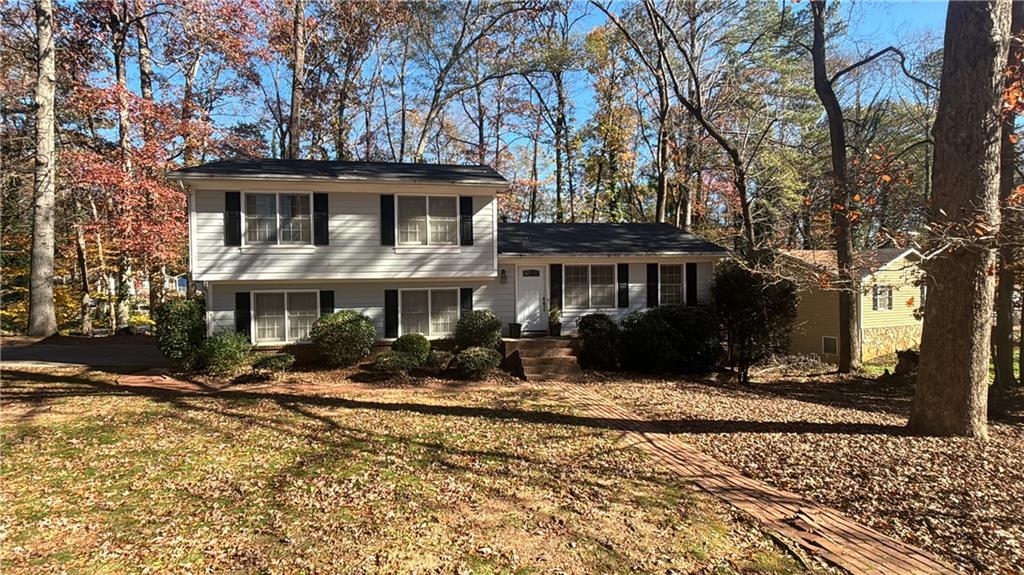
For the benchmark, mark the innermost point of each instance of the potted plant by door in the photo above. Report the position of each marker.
(555, 320)
(515, 330)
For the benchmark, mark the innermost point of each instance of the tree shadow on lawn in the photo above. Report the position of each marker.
(80, 386)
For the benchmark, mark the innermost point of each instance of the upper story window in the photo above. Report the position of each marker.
(881, 297)
(588, 287)
(428, 220)
(272, 219)
(671, 288)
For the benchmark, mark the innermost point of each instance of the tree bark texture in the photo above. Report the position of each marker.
(298, 78)
(42, 319)
(950, 397)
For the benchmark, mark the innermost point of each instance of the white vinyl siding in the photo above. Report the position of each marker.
(589, 286)
(424, 220)
(671, 288)
(354, 250)
(276, 314)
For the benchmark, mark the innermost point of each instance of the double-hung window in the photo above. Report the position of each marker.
(881, 297)
(428, 220)
(430, 312)
(671, 288)
(589, 287)
(283, 317)
(278, 219)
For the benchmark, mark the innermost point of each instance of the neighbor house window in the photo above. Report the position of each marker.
(589, 287)
(432, 312)
(829, 345)
(881, 297)
(272, 219)
(283, 317)
(426, 220)
(671, 288)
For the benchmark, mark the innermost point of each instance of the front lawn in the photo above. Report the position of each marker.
(340, 477)
(841, 441)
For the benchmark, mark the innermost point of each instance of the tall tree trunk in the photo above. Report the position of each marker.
(42, 319)
(849, 332)
(1004, 296)
(662, 191)
(950, 395)
(534, 184)
(298, 78)
(559, 144)
(155, 275)
(83, 268)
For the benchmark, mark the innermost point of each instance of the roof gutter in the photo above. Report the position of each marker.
(185, 177)
(608, 254)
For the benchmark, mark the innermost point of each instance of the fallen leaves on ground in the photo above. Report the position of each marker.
(290, 476)
(841, 441)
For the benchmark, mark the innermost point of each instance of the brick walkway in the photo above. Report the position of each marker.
(820, 530)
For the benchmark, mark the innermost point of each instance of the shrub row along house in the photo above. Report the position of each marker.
(279, 243)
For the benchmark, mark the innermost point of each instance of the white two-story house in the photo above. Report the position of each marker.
(279, 243)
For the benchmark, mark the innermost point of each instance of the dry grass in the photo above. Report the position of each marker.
(841, 441)
(351, 478)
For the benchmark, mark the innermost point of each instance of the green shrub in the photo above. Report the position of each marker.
(344, 338)
(670, 339)
(226, 353)
(438, 361)
(478, 328)
(599, 341)
(180, 331)
(274, 362)
(414, 344)
(475, 362)
(757, 313)
(394, 363)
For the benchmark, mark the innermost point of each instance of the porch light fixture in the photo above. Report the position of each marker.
(503, 276)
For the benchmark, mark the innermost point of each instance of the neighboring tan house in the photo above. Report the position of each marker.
(279, 243)
(891, 294)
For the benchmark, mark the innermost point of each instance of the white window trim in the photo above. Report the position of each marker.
(412, 248)
(889, 299)
(682, 279)
(430, 303)
(252, 315)
(277, 215)
(823, 338)
(590, 287)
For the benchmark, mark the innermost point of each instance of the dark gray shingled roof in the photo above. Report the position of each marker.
(543, 239)
(320, 169)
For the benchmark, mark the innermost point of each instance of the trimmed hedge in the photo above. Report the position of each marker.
(478, 328)
(344, 338)
(475, 362)
(671, 339)
(274, 362)
(438, 361)
(599, 341)
(393, 363)
(226, 353)
(412, 343)
(181, 330)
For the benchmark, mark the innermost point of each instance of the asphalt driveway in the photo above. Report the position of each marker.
(92, 352)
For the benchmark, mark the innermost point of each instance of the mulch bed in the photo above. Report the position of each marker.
(841, 441)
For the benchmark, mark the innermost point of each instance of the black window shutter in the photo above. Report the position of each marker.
(652, 285)
(556, 285)
(623, 277)
(466, 220)
(243, 312)
(874, 298)
(466, 299)
(326, 302)
(320, 219)
(390, 313)
(691, 283)
(387, 221)
(232, 218)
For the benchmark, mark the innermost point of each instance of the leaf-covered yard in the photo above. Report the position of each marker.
(354, 478)
(842, 442)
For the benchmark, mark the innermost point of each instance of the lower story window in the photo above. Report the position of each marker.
(283, 317)
(671, 288)
(830, 345)
(431, 312)
(589, 287)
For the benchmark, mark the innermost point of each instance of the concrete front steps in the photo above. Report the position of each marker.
(542, 359)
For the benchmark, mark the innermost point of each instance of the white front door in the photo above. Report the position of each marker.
(531, 298)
